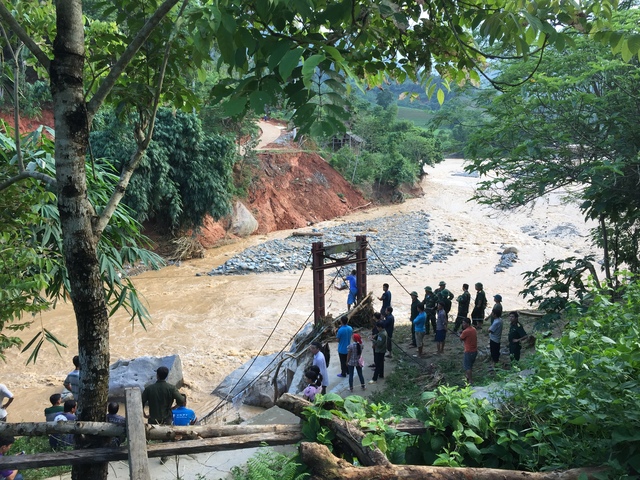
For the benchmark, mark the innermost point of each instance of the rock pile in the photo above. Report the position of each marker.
(395, 241)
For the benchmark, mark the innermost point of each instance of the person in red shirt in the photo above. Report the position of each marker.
(469, 337)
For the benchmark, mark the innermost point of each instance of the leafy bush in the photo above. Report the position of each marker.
(185, 174)
(270, 465)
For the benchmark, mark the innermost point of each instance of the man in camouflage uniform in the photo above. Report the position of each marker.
(480, 304)
(445, 296)
(464, 301)
(429, 303)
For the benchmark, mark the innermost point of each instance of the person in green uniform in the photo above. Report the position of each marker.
(464, 301)
(429, 303)
(445, 296)
(479, 306)
(414, 313)
(160, 397)
(516, 335)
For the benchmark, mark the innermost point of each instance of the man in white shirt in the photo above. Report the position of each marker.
(320, 362)
(4, 393)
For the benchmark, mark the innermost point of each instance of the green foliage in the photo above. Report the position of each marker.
(32, 270)
(374, 419)
(270, 465)
(32, 445)
(558, 285)
(575, 128)
(303, 52)
(394, 152)
(582, 404)
(185, 174)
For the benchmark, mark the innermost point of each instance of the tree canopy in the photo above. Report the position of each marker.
(138, 56)
(576, 127)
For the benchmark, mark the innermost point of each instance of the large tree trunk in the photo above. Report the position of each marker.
(325, 466)
(76, 214)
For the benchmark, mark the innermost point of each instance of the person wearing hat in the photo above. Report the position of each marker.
(414, 313)
(160, 397)
(445, 296)
(497, 307)
(429, 303)
(479, 306)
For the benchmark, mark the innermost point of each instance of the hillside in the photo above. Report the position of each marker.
(291, 189)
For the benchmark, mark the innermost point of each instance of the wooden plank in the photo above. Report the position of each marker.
(342, 248)
(186, 447)
(136, 435)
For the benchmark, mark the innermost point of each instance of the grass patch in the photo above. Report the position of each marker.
(37, 445)
(413, 376)
(420, 118)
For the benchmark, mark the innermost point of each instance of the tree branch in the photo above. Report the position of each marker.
(97, 100)
(26, 174)
(16, 28)
(102, 221)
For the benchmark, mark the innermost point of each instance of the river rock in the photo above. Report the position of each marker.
(141, 372)
(243, 223)
(510, 249)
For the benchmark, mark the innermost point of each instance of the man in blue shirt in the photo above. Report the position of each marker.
(385, 298)
(353, 289)
(420, 328)
(343, 335)
(183, 416)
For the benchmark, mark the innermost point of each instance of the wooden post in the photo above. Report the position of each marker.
(136, 434)
(361, 266)
(317, 254)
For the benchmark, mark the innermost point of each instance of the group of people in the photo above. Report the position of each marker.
(429, 313)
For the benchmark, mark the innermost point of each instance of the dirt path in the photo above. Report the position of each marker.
(270, 134)
(217, 323)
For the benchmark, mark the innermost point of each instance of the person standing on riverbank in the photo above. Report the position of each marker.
(343, 335)
(429, 303)
(516, 335)
(464, 301)
(414, 313)
(389, 325)
(379, 349)
(445, 296)
(498, 304)
(495, 335)
(469, 338)
(72, 382)
(441, 328)
(420, 324)
(385, 298)
(320, 362)
(479, 306)
(355, 361)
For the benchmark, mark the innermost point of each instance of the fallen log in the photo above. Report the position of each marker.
(346, 432)
(164, 432)
(34, 429)
(97, 455)
(307, 234)
(325, 466)
(153, 432)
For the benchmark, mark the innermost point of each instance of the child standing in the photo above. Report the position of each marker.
(312, 389)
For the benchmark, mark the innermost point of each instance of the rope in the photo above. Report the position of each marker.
(225, 399)
(388, 269)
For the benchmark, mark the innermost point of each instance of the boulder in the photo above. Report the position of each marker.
(243, 223)
(253, 384)
(141, 372)
(510, 249)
